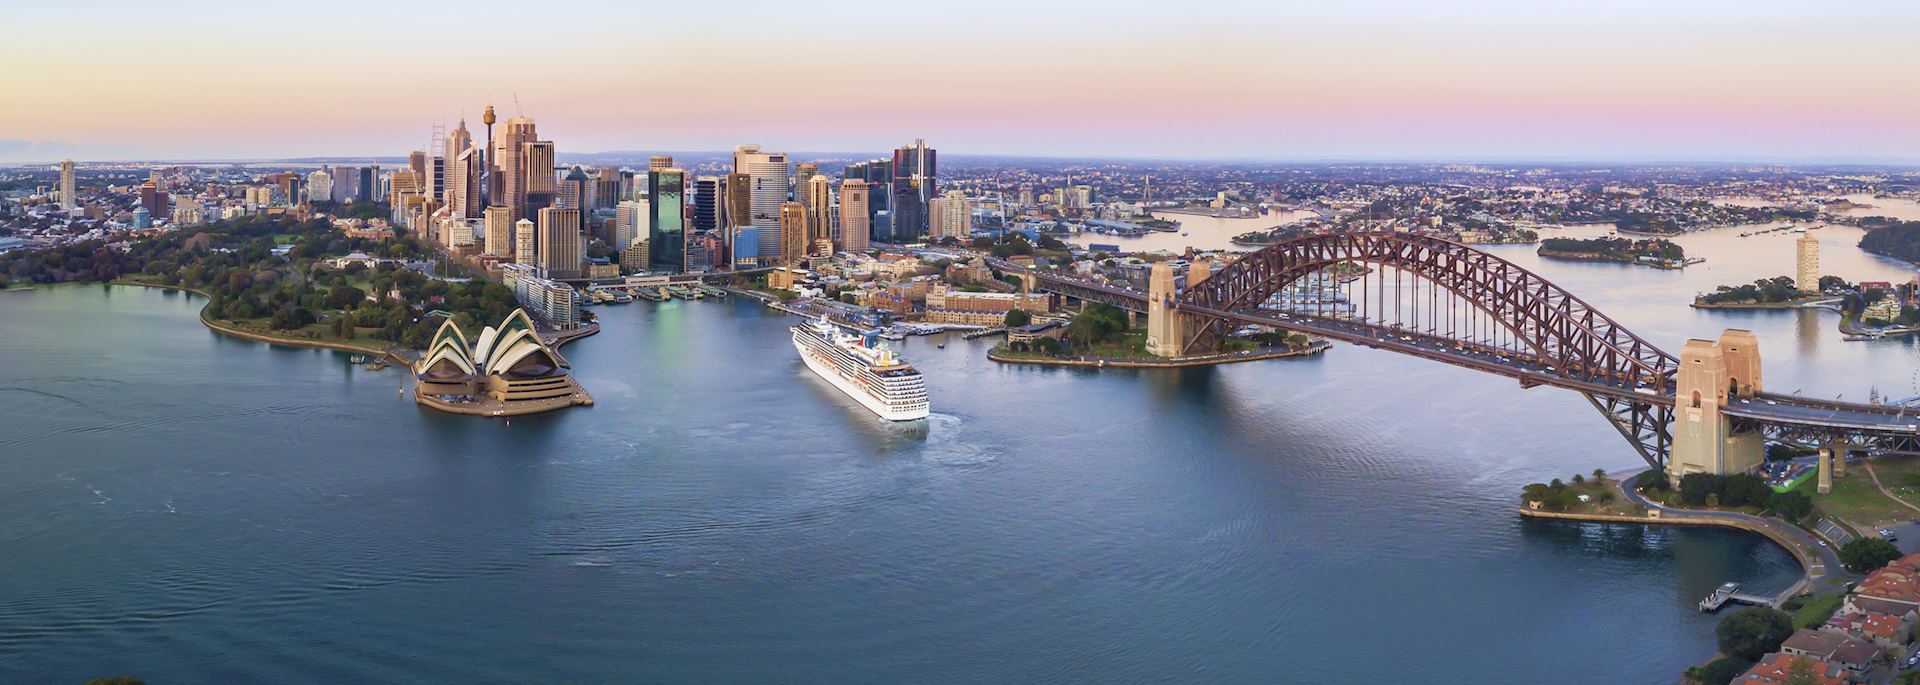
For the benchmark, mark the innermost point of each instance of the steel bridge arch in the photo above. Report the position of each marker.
(1581, 345)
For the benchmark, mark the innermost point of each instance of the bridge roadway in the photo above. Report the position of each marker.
(1769, 409)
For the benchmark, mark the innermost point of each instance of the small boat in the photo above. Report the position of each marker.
(941, 346)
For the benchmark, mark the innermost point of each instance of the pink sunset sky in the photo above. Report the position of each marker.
(1674, 80)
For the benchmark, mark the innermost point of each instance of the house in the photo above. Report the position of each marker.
(1777, 669)
(1856, 655)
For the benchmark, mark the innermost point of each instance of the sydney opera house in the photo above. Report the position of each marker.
(508, 370)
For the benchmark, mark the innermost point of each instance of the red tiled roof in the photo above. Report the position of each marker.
(1776, 668)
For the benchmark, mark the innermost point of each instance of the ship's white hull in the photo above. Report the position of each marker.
(872, 403)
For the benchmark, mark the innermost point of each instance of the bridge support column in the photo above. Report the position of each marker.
(1712, 373)
(1826, 471)
(1165, 335)
(1839, 459)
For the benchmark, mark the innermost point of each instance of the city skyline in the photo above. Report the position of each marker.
(1711, 81)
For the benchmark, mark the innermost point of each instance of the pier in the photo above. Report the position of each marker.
(1730, 592)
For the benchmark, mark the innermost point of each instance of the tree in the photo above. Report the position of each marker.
(1791, 505)
(1722, 671)
(1600, 474)
(1864, 554)
(1695, 487)
(1907, 678)
(1047, 345)
(1752, 632)
(1017, 318)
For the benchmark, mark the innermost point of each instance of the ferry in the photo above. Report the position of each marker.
(866, 371)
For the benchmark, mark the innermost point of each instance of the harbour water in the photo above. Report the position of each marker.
(191, 508)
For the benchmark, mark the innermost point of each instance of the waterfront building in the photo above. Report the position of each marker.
(560, 253)
(854, 219)
(526, 243)
(1806, 272)
(667, 220)
(819, 206)
(507, 368)
(69, 193)
(1778, 669)
(766, 189)
(913, 186)
(633, 259)
(793, 233)
(499, 232)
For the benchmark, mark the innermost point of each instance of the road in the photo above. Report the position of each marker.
(1834, 575)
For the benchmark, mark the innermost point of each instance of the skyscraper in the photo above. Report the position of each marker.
(658, 162)
(609, 188)
(500, 237)
(526, 242)
(1806, 273)
(463, 174)
(913, 185)
(667, 225)
(855, 222)
(154, 200)
(630, 221)
(802, 174)
(574, 190)
(819, 204)
(509, 150)
(767, 176)
(319, 186)
(878, 173)
(560, 252)
(69, 194)
(793, 233)
(709, 203)
(739, 200)
(537, 181)
(951, 217)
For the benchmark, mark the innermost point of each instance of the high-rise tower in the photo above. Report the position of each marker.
(69, 194)
(1806, 272)
(913, 185)
(855, 222)
(767, 176)
(667, 223)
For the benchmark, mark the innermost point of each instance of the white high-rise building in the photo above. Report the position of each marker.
(320, 186)
(1806, 273)
(69, 194)
(950, 216)
(525, 242)
(630, 223)
(767, 172)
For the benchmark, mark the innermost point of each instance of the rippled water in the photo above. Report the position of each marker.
(191, 508)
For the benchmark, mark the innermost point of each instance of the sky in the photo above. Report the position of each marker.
(1668, 80)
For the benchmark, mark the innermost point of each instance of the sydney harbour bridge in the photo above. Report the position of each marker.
(1705, 410)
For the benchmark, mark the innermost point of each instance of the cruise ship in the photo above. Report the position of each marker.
(862, 369)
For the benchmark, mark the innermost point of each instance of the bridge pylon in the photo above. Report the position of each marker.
(1711, 374)
(1169, 332)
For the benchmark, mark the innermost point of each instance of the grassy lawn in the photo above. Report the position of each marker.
(1816, 610)
(1602, 498)
(1856, 500)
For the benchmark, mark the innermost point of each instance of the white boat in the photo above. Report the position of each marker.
(863, 369)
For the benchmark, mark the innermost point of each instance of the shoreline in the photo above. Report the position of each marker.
(1140, 363)
(1597, 257)
(386, 354)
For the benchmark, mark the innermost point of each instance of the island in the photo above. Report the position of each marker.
(1660, 254)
